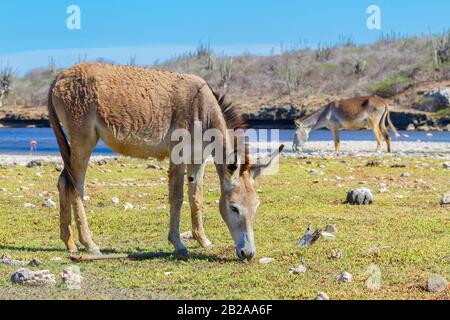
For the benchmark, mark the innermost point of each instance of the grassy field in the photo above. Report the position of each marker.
(408, 219)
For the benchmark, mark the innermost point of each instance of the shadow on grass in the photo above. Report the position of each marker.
(117, 255)
(37, 249)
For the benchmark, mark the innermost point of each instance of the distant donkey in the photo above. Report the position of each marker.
(136, 112)
(351, 114)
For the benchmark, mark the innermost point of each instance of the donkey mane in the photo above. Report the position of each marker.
(235, 121)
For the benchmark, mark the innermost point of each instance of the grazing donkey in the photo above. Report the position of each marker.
(135, 111)
(351, 114)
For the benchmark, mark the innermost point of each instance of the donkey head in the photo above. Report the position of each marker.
(301, 136)
(239, 202)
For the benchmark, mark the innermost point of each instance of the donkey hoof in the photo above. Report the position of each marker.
(73, 250)
(94, 252)
(182, 254)
(207, 244)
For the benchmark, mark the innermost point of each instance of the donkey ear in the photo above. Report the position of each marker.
(232, 168)
(257, 169)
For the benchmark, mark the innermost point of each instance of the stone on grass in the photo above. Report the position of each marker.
(115, 200)
(330, 228)
(71, 278)
(87, 199)
(299, 270)
(362, 196)
(154, 166)
(336, 254)
(373, 163)
(322, 296)
(29, 205)
(446, 165)
(34, 164)
(128, 206)
(375, 250)
(445, 200)
(315, 172)
(59, 168)
(31, 278)
(344, 277)
(187, 236)
(49, 203)
(7, 260)
(266, 260)
(437, 284)
(101, 162)
(405, 175)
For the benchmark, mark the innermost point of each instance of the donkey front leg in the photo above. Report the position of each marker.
(195, 177)
(176, 182)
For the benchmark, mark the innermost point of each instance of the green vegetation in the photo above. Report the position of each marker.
(394, 84)
(408, 219)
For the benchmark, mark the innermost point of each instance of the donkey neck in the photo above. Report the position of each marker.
(316, 120)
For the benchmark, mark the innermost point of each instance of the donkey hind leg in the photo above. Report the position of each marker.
(195, 176)
(337, 140)
(176, 182)
(385, 132)
(79, 161)
(65, 212)
(378, 136)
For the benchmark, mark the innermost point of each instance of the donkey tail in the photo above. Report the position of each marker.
(61, 138)
(391, 125)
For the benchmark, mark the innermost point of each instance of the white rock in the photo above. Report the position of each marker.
(49, 203)
(299, 270)
(29, 205)
(30, 278)
(71, 278)
(406, 175)
(445, 200)
(128, 206)
(266, 260)
(115, 200)
(437, 284)
(344, 277)
(322, 296)
(336, 254)
(187, 235)
(87, 199)
(315, 172)
(446, 165)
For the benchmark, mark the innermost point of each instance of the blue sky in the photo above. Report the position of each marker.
(32, 31)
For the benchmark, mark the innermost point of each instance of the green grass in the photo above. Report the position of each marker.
(415, 227)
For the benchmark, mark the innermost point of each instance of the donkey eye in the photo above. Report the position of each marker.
(234, 209)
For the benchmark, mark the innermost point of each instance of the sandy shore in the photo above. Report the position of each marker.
(312, 149)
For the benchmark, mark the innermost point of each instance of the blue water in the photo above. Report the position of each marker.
(17, 141)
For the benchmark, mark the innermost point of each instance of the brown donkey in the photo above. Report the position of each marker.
(351, 114)
(136, 111)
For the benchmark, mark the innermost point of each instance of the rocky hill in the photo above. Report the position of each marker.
(412, 73)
